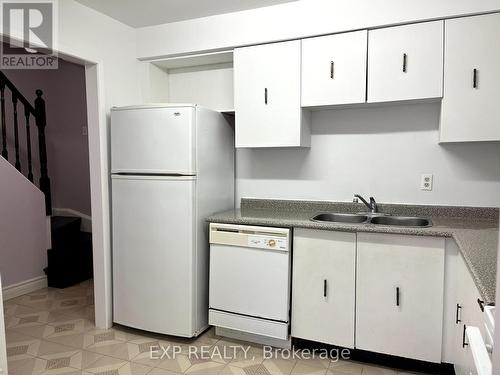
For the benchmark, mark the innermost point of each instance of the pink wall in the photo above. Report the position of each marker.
(23, 228)
(67, 148)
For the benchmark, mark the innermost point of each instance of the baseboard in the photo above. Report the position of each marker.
(24, 287)
(86, 219)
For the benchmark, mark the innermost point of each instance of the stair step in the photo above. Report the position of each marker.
(70, 259)
(58, 222)
(65, 232)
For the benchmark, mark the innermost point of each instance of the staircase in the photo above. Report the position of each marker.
(70, 259)
(70, 256)
(37, 111)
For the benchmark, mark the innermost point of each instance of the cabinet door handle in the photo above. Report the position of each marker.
(457, 319)
(405, 62)
(332, 69)
(474, 79)
(481, 304)
(397, 296)
(325, 287)
(265, 96)
(464, 344)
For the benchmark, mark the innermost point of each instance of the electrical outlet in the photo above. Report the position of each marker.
(426, 182)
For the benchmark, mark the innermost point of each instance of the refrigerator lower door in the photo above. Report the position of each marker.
(153, 140)
(153, 253)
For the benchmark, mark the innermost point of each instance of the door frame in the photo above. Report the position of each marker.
(99, 178)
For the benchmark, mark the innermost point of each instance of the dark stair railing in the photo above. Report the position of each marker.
(38, 113)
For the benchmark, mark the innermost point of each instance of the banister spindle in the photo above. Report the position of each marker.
(41, 122)
(16, 132)
(5, 153)
(28, 143)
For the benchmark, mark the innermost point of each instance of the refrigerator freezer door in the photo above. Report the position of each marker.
(153, 250)
(153, 140)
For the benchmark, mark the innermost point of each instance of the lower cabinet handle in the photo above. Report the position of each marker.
(332, 69)
(464, 344)
(474, 78)
(457, 319)
(397, 296)
(265, 95)
(324, 288)
(481, 304)
(405, 62)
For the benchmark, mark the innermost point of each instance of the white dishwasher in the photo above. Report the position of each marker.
(249, 289)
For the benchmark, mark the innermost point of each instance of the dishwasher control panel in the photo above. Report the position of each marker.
(264, 242)
(267, 238)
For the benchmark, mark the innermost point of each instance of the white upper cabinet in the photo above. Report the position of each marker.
(334, 69)
(470, 110)
(399, 295)
(324, 286)
(405, 62)
(267, 96)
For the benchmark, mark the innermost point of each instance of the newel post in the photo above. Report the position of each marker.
(41, 123)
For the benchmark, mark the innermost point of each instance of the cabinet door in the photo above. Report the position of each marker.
(267, 96)
(323, 286)
(399, 297)
(470, 315)
(405, 62)
(470, 110)
(334, 69)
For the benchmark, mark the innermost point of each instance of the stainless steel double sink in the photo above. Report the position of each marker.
(377, 219)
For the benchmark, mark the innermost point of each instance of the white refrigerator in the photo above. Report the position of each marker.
(172, 165)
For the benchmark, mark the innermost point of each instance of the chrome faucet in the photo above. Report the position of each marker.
(372, 206)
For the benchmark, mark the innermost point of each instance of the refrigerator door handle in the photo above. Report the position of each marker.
(152, 177)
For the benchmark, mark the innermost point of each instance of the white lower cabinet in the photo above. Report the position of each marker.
(323, 293)
(399, 295)
(385, 293)
(469, 314)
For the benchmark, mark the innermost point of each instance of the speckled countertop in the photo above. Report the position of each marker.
(474, 229)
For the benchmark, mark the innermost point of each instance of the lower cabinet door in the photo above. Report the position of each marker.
(399, 299)
(470, 315)
(323, 292)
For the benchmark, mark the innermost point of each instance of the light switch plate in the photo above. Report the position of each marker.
(426, 182)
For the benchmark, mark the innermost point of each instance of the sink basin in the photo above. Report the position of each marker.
(341, 218)
(401, 221)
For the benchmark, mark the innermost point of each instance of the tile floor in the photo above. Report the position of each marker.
(51, 331)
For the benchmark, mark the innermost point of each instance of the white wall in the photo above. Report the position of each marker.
(293, 20)
(23, 229)
(373, 150)
(380, 151)
(209, 86)
(154, 82)
(91, 37)
(343, 158)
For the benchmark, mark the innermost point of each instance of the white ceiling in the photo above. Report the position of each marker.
(138, 13)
